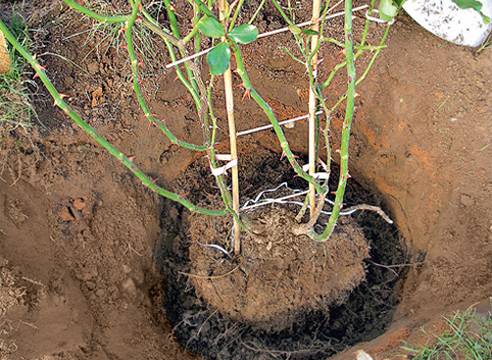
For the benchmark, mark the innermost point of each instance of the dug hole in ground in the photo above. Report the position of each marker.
(94, 266)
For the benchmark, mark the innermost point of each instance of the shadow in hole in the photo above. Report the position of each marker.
(365, 314)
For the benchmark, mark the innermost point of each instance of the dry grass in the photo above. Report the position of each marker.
(16, 109)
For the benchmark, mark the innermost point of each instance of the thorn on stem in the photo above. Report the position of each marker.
(284, 155)
(247, 94)
(39, 68)
(151, 124)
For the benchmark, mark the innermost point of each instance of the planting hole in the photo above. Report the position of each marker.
(286, 296)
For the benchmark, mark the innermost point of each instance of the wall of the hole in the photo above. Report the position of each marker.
(421, 136)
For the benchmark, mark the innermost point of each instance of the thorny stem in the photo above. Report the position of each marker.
(260, 7)
(138, 91)
(173, 22)
(197, 38)
(282, 13)
(129, 20)
(201, 106)
(93, 15)
(199, 99)
(349, 114)
(359, 52)
(241, 70)
(236, 14)
(101, 140)
(204, 8)
(202, 97)
(168, 41)
(171, 16)
(363, 76)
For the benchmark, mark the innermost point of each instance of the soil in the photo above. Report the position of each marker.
(81, 242)
(279, 273)
(213, 300)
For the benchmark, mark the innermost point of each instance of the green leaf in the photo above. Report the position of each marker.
(296, 30)
(310, 32)
(469, 4)
(472, 4)
(219, 59)
(387, 10)
(244, 34)
(210, 27)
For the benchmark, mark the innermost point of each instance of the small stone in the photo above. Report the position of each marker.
(126, 269)
(466, 200)
(91, 285)
(79, 204)
(129, 287)
(93, 68)
(139, 276)
(87, 274)
(269, 246)
(100, 292)
(97, 96)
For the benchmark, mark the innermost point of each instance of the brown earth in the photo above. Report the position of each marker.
(78, 234)
(279, 273)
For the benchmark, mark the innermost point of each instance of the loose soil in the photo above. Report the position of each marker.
(270, 300)
(83, 246)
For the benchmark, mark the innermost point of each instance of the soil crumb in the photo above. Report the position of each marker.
(279, 274)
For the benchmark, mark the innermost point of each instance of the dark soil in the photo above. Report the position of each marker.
(285, 295)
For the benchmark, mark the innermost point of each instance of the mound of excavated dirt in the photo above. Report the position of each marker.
(279, 274)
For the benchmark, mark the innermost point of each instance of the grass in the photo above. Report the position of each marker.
(468, 337)
(16, 109)
(487, 44)
(103, 36)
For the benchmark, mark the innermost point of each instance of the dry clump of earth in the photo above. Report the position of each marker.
(279, 275)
